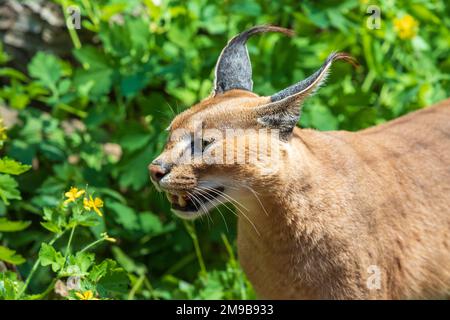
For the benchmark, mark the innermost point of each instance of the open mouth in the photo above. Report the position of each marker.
(194, 201)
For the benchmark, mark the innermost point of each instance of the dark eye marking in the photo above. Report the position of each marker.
(203, 143)
(206, 143)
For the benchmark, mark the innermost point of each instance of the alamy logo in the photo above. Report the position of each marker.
(374, 279)
(374, 20)
(73, 20)
(230, 146)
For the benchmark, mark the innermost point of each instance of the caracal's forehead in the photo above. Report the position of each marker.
(233, 109)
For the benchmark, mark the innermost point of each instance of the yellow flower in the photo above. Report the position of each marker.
(87, 295)
(406, 27)
(108, 238)
(73, 194)
(93, 204)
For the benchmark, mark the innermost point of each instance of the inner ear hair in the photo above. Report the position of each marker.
(283, 112)
(281, 115)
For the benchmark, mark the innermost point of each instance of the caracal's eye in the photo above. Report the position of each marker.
(204, 143)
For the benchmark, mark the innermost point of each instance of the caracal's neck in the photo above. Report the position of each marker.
(276, 227)
(267, 222)
(274, 209)
(272, 244)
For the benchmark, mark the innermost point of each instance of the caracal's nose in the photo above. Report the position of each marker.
(158, 170)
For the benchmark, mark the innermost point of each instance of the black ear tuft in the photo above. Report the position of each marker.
(314, 81)
(283, 120)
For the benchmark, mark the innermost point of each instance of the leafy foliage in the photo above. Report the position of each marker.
(10, 256)
(96, 119)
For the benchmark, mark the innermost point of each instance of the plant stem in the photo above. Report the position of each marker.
(235, 265)
(36, 265)
(70, 109)
(229, 248)
(91, 13)
(92, 244)
(149, 286)
(47, 291)
(180, 263)
(191, 230)
(136, 287)
(72, 231)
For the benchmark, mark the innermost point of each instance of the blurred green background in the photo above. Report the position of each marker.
(89, 107)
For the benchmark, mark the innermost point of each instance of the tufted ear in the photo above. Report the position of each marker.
(233, 68)
(283, 110)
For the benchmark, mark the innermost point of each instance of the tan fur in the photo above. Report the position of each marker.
(342, 202)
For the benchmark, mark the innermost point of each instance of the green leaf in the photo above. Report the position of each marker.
(337, 19)
(116, 39)
(13, 226)
(55, 220)
(128, 263)
(109, 10)
(114, 282)
(86, 219)
(91, 58)
(132, 84)
(126, 216)
(97, 75)
(46, 68)
(10, 256)
(8, 189)
(50, 226)
(49, 256)
(134, 140)
(98, 80)
(111, 193)
(322, 118)
(12, 73)
(84, 260)
(110, 278)
(134, 170)
(10, 285)
(247, 8)
(79, 264)
(150, 223)
(98, 271)
(10, 166)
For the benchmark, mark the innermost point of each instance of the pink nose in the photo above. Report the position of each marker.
(158, 171)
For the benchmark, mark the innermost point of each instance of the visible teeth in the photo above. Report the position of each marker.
(171, 197)
(175, 198)
(181, 201)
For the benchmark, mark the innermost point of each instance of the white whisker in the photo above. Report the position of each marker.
(212, 200)
(246, 217)
(230, 198)
(257, 198)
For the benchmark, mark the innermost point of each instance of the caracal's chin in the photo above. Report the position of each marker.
(188, 215)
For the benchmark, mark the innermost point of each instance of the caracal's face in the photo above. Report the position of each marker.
(235, 141)
(215, 154)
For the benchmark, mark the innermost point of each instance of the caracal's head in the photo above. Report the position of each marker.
(234, 141)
